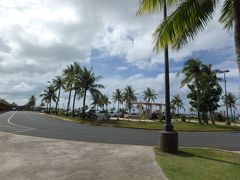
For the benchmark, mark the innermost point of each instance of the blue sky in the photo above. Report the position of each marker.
(39, 38)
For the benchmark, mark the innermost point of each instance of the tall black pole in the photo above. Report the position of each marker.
(168, 125)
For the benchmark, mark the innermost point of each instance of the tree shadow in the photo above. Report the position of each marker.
(184, 154)
(187, 154)
(218, 160)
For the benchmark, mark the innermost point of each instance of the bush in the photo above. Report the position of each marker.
(219, 117)
(183, 118)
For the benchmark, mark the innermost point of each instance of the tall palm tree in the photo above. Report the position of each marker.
(76, 84)
(177, 103)
(149, 95)
(188, 18)
(192, 74)
(58, 84)
(117, 97)
(129, 97)
(32, 102)
(49, 95)
(88, 81)
(230, 99)
(68, 75)
(97, 100)
(105, 101)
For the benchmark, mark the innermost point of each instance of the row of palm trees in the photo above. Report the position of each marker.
(77, 81)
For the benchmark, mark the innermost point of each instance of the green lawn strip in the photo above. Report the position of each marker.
(178, 126)
(199, 163)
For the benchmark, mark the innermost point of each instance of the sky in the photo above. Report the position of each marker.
(39, 38)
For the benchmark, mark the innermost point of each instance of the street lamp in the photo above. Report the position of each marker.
(168, 140)
(225, 89)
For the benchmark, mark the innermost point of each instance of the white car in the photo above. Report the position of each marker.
(95, 114)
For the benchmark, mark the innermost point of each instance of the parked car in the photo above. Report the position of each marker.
(156, 115)
(112, 114)
(133, 115)
(126, 115)
(120, 114)
(95, 114)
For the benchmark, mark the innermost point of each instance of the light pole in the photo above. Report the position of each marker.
(168, 140)
(225, 92)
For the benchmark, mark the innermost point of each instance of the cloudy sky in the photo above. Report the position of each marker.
(39, 38)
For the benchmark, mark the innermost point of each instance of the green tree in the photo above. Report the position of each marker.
(230, 100)
(192, 75)
(48, 96)
(188, 17)
(117, 97)
(76, 84)
(96, 98)
(205, 95)
(149, 95)
(129, 97)
(68, 75)
(32, 102)
(177, 103)
(88, 81)
(105, 101)
(58, 85)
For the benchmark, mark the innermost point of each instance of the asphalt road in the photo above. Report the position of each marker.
(41, 125)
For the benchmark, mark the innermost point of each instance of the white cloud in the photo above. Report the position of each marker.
(122, 68)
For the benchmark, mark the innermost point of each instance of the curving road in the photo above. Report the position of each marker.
(40, 125)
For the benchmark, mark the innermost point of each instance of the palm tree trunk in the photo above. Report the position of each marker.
(236, 19)
(69, 100)
(198, 103)
(56, 108)
(231, 112)
(84, 102)
(50, 106)
(74, 98)
(118, 110)
(178, 111)
(47, 108)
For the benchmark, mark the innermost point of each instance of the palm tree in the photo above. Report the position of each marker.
(192, 74)
(88, 80)
(76, 84)
(32, 102)
(96, 97)
(129, 97)
(49, 95)
(68, 75)
(230, 99)
(117, 97)
(190, 17)
(177, 103)
(58, 84)
(105, 101)
(148, 95)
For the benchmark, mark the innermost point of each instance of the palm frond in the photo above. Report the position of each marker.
(183, 24)
(227, 15)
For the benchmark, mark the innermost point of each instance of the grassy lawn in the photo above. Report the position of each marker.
(201, 164)
(179, 126)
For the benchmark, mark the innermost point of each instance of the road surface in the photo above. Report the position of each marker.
(41, 125)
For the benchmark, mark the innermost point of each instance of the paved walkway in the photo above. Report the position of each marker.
(24, 157)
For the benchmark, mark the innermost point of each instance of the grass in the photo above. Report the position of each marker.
(199, 163)
(157, 125)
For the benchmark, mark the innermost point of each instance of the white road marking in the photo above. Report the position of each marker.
(11, 123)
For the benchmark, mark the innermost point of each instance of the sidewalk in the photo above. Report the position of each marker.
(25, 157)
